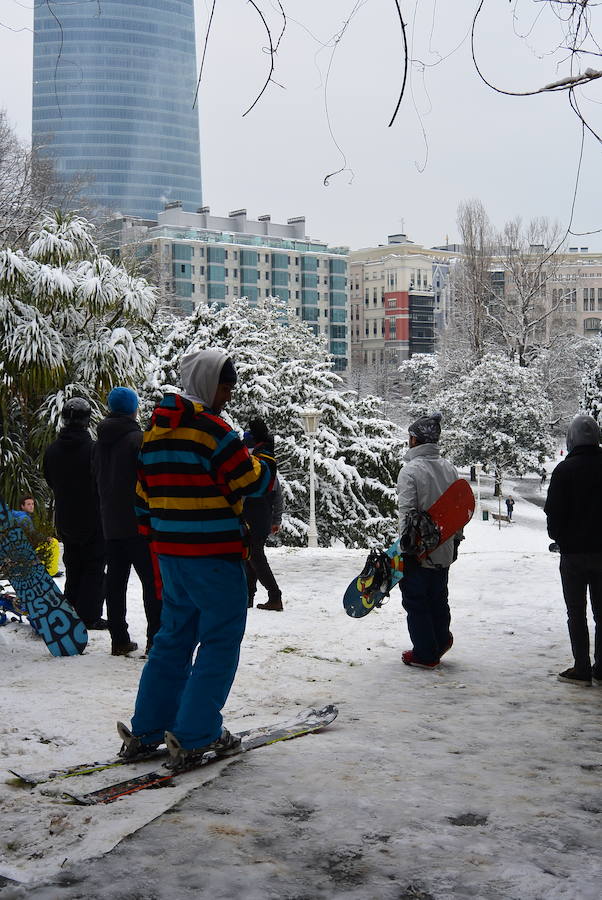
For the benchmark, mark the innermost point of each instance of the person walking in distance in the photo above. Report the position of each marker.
(263, 516)
(573, 508)
(509, 507)
(115, 460)
(193, 474)
(67, 468)
(424, 586)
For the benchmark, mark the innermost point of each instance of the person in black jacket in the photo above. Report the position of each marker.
(573, 509)
(68, 471)
(114, 462)
(263, 516)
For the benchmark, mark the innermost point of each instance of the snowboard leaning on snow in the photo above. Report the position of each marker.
(51, 616)
(451, 512)
(307, 722)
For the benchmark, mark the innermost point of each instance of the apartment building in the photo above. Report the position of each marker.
(571, 292)
(208, 259)
(399, 299)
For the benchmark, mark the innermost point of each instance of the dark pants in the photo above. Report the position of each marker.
(579, 571)
(84, 578)
(122, 554)
(258, 569)
(425, 599)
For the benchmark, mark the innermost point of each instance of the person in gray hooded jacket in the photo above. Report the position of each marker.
(573, 510)
(423, 478)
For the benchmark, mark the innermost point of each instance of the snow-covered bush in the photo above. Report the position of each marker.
(497, 415)
(71, 324)
(284, 368)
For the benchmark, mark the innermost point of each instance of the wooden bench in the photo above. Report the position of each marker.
(499, 518)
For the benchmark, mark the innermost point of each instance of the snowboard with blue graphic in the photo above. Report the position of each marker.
(38, 596)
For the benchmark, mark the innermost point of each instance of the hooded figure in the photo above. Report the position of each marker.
(202, 372)
(193, 475)
(573, 508)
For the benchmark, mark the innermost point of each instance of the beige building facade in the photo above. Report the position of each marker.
(398, 301)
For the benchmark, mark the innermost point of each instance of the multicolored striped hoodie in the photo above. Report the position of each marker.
(193, 473)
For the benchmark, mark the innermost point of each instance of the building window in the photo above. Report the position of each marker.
(267, 257)
(235, 273)
(225, 254)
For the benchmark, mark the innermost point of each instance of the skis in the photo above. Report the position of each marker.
(33, 778)
(309, 721)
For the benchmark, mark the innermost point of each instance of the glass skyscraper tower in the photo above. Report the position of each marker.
(113, 88)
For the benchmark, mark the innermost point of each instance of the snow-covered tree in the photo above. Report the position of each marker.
(71, 324)
(591, 401)
(497, 415)
(423, 375)
(284, 368)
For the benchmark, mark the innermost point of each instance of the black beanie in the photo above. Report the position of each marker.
(426, 429)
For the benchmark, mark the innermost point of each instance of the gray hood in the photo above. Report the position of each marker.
(199, 374)
(583, 430)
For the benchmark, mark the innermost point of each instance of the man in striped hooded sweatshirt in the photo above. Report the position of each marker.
(194, 473)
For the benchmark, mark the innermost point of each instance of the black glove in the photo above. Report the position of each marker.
(259, 430)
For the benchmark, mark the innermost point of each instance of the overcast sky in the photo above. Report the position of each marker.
(454, 138)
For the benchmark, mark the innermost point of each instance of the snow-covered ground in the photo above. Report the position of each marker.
(478, 780)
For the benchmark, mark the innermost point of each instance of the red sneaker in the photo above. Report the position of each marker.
(408, 658)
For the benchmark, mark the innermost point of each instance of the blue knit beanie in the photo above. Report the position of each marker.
(123, 400)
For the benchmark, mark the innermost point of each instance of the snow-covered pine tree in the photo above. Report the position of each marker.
(591, 400)
(422, 374)
(497, 415)
(71, 324)
(284, 368)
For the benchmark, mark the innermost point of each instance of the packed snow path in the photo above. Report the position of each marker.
(479, 780)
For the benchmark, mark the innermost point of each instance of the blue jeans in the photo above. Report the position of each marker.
(425, 599)
(204, 603)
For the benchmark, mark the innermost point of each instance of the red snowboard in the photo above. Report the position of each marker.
(451, 512)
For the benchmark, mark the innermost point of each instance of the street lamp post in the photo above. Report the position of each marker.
(478, 469)
(311, 420)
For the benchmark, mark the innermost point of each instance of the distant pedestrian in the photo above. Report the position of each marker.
(509, 507)
(68, 471)
(115, 459)
(424, 586)
(193, 475)
(544, 478)
(263, 516)
(573, 509)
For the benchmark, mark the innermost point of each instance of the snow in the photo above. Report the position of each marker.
(478, 780)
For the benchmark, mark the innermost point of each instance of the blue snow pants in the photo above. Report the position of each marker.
(204, 605)
(425, 599)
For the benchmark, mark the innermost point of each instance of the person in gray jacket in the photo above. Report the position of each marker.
(423, 478)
